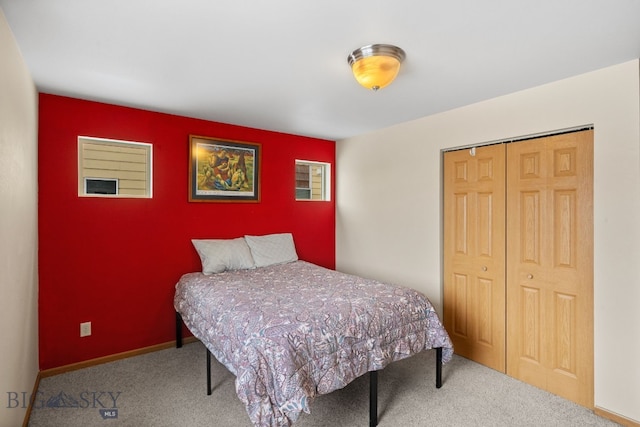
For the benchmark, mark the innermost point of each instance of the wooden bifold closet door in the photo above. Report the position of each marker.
(550, 264)
(474, 248)
(546, 302)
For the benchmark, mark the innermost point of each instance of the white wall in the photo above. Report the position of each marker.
(389, 203)
(18, 230)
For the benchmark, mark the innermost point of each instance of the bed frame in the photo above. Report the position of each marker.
(373, 375)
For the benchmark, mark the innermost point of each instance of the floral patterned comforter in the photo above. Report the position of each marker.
(293, 331)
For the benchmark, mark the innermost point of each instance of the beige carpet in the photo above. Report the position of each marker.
(168, 388)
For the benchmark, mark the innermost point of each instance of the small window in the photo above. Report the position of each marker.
(313, 180)
(111, 168)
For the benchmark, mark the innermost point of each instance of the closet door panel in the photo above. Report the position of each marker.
(474, 289)
(550, 264)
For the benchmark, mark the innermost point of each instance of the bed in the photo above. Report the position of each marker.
(290, 330)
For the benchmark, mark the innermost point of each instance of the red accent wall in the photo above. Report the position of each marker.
(115, 262)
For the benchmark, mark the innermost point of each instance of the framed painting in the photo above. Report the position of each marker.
(222, 170)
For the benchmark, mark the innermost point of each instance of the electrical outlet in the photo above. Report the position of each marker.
(85, 329)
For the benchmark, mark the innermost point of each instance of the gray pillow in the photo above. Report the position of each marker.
(218, 255)
(272, 249)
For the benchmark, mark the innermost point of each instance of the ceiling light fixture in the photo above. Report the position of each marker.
(376, 65)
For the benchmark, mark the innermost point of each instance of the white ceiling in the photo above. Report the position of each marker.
(281, 65)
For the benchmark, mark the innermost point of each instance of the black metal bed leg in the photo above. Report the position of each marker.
(178, 330)
(373, 398)
(208, 373)
(438, 367)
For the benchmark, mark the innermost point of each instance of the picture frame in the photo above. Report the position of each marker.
(223, 170)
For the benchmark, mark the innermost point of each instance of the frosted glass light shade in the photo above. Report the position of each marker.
(376, 66)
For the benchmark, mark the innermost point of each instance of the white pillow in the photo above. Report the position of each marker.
(218, 255)
(272, 249)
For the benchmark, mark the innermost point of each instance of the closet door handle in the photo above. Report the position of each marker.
(529, 276)
(484, 268)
